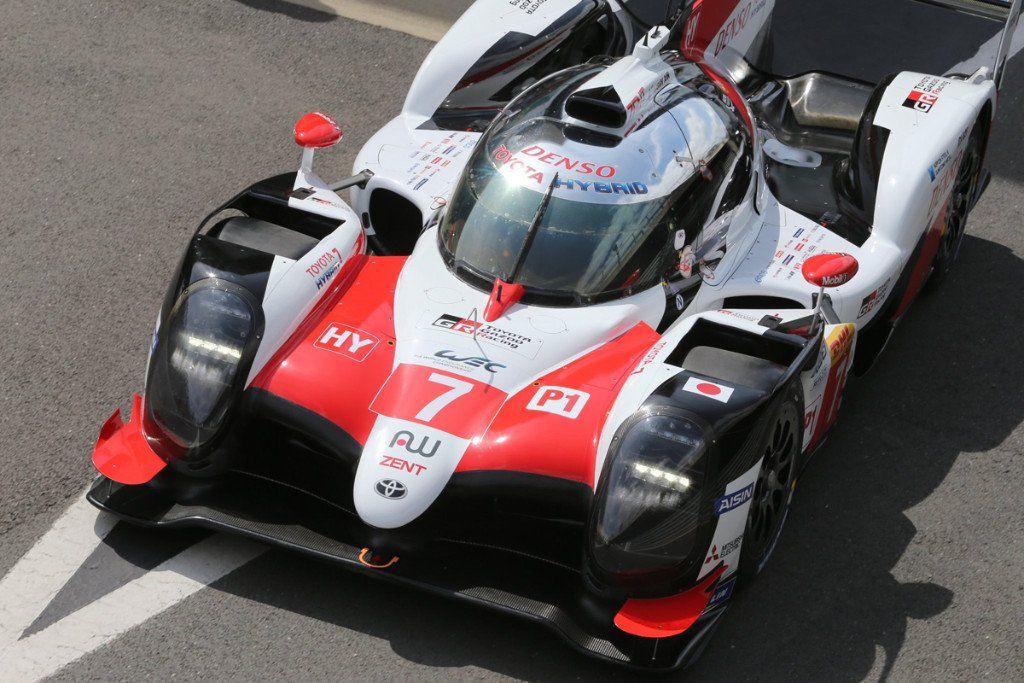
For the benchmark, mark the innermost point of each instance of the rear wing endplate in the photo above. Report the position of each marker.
(1006, 12)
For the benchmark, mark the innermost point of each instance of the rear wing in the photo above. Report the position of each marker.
(1006, 12)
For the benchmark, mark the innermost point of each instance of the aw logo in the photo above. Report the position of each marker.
(426, 446)
(347, 341)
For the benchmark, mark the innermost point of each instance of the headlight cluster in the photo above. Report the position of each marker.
(201, 359)
(648, 512)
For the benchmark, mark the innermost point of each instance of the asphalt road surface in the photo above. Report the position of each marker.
(123, 121)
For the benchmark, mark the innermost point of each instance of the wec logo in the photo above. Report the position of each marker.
(472, 361)
(731, 501)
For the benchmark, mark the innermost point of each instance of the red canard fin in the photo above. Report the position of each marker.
(503, 295)
(122, 452)
(665, 617)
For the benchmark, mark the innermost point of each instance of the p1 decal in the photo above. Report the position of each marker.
(457, 405)
(731, 501)
(347, 341)
(712, 390)
(559, 401)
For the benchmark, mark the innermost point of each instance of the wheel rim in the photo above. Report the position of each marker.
(960, 206)
(774, 483)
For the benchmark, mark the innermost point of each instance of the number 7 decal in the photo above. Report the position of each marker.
(447, 402)
(457, 388)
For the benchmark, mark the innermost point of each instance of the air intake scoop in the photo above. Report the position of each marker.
(622, 97)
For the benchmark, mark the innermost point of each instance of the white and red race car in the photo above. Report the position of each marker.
(590, 310)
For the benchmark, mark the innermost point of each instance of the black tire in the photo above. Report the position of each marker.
(960, 204)
(781, 447)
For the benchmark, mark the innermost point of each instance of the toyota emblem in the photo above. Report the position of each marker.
(391, 489)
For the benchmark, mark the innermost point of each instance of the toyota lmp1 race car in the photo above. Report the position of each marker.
(590, 310)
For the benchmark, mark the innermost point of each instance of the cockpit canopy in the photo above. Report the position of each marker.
(611, 206)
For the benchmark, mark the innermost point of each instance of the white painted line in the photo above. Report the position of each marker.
(43, 654)
(378, 14)
(43, 570)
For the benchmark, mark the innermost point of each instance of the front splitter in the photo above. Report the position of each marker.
(548, 593)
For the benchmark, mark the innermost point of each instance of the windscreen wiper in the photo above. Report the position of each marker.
(505, 294)
(531, 232)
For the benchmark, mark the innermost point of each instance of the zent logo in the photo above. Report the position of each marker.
(712, 390)
(348, 341)
(731, 501)
(406, 440)
(559, 401)
(402, 465)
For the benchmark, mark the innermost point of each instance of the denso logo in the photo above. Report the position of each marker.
(407, 440)
(731, 501)
(472, 361)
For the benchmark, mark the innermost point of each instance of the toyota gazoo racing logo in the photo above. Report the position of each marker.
(506, 339)
(392, 489)
(472, 361)
(425, 446)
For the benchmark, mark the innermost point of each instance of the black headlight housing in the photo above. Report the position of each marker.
(647, 514)
(199, 365)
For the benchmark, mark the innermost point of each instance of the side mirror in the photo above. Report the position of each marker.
(828, 270)
(315, 130)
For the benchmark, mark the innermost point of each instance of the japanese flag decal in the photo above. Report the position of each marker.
(708, 389)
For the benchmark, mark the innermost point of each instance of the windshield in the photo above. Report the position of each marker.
(620, 208)
(581, 249)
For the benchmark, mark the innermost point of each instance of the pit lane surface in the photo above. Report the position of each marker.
(123, 122)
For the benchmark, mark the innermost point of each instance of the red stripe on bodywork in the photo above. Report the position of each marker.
(665, 617)
(524, 440)
(339, 384)
(707, 17)
(923, 267)
(122, 452)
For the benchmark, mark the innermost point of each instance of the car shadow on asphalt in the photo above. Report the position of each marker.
(828, 606)
(292, 10)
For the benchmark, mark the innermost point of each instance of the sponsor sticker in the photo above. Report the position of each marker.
(347, 341)
(723, 592)
(392, 489)
(708, 389)
(925, 94)
(489, 334)
(402, 465)
(559, 401)
(731, 501)
(423, 446)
